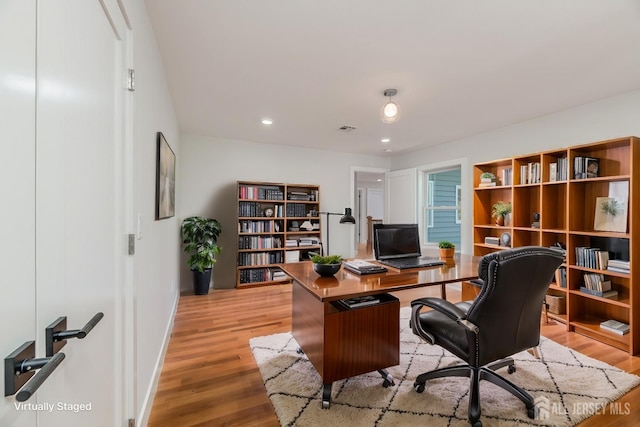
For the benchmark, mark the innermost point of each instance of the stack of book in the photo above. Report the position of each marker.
(309, 241)
(487, 182)
(277, 274)
(618, 265)
(615, 327)
(359, 266)
(291, 243)
(359, 301)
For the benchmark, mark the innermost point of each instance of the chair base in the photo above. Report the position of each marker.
(476, 374)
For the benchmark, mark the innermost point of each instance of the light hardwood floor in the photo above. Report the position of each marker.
(210, 378)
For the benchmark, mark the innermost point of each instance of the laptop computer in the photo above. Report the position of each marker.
(398, 246)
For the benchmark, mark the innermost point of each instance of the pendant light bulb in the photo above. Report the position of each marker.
(390, 111)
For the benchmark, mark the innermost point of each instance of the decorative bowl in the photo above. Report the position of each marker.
(326, 270)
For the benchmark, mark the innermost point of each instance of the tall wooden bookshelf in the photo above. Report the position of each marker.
(567, 206)
(271, 220)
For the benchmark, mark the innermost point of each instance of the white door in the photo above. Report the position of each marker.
(17, 188)
(79, 212)
(401, 196)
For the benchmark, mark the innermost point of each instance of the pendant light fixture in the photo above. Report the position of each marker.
(390, 110)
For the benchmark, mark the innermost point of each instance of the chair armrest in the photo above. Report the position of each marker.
(445, 307)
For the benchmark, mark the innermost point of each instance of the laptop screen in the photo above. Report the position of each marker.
(396, 241)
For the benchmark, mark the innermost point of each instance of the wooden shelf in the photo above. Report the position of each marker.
(567, 210)
(255, 200)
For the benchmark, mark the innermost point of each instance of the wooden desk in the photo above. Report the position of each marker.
(341, 342)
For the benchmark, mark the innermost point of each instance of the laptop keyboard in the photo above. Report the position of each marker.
(412, 262)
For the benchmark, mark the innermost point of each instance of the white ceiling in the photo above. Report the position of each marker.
(461, 67)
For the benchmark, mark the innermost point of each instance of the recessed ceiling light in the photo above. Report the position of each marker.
(385, 140)
(379, 179)
(267, 121)
(387, 150)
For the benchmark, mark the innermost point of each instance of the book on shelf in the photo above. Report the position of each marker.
(553, 172)
(360, 301)
(360, 266)
(487, 184)
(605, 294)
(615, 327)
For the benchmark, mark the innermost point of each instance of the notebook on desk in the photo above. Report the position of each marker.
(398, 246)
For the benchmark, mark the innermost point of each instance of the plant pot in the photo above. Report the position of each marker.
(326, 270)
(201, 281)
(447, 252)
(500, 220)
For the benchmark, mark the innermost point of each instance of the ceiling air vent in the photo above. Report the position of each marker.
(347, 128)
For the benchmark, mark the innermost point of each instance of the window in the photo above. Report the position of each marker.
(442, 210)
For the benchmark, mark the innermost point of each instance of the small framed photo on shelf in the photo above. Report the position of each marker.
(611, 214)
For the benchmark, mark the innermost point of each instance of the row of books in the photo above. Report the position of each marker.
(530, 173)
(507, 176)
(596, 282)
(260, 258)
(558, 171)
(259, 242)
(303, 195)
(253, 275)
(585, 167)
(296, 209)
(592, 258)
(258, 209)
(260, 193)
(259, 226)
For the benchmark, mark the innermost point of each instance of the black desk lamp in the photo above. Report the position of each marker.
(346, 218)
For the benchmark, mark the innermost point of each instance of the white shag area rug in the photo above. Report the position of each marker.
(568, 387)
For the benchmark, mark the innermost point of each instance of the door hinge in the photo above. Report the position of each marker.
(131, 79)
(132, 244)
(132, 422)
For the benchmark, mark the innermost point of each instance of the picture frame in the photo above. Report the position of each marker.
(165, 179)
(611, 214)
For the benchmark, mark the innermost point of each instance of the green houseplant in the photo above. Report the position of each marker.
(326, 266)
(447, 249)
(200, 237)
(500, 210)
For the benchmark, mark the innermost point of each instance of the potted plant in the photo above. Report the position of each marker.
(326, 266)
(200, 237)
(500, 210)
(447, 249)
(487, 177)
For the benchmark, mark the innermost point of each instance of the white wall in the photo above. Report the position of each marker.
(209, 171)
(156, 272)
(610, 118)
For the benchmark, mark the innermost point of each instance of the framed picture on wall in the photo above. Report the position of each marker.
(165, 179)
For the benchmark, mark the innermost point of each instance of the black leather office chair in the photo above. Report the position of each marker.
(503, 320)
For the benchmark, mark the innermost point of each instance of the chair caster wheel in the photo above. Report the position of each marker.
(531, 412)
(512, 369)
(477, 424)
(299, 351)
(386, 383)
(325, 404)
(419, 387)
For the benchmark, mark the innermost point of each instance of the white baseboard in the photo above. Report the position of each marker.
(145, 409)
